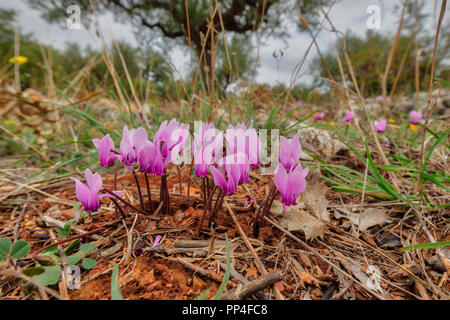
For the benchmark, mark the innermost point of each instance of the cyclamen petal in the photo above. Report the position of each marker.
(290, 150)
(133, 141)
(290, 184)
(415, 117)
(94, 181)
(105, 147)
(380, 125)
(348, 116)
(219, 179)
(319, 115)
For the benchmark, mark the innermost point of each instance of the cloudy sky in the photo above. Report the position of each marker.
(346, 15)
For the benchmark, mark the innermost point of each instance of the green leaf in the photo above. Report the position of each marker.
(88, 263)
(427, 245)
(203, 295)
(20, 249)
(73, 259)
(33, 271)
(62, 232)
(115, 289)
(50, 276)
(49, 250)
(224, 283)
(3, 258)
(5, 246)
(88, 247)
(71, 247)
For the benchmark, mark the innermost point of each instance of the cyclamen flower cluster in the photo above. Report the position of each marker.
(135, 149)
(137, 152)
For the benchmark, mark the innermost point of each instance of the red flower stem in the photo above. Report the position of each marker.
(204, 192)
(118, 207)
(189, 180)
(200, 224)
(218, 205)
(126, 202)
(167, 194)
(139, 190)
(267, 207)
(149, 195)
(262, 208)
(115, 180)
(179, 180)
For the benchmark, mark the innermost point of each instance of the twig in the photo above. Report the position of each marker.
(67, 239)
(196, 269)
(258, 261)
(248, 289)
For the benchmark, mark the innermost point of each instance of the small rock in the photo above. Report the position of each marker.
(321, 142)
(41, 235)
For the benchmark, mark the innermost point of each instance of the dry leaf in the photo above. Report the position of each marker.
(369, 218)
(314, 199)
(296, 220)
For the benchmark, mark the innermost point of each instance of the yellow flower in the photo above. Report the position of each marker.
(391, 120)
(413, 127)
(9, 122)
(332, 123)
(18, 59)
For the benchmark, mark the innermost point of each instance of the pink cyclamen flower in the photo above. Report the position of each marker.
(105, 149)
(290, 184)
(241, 139)
(296, 104)
(233, 174)
(151, 160)
(319, 115)
(88, 195)
(133, 140)
(348, 116)
(290, 150)
(207, 146)
(415, 117)
(171, 135)
(380, 125)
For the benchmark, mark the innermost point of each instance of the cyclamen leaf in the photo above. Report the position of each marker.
(20, 249)
(5, 246)
(88, 247)
(33, 271)
(51, 275)
(88, 263)
(73, 259)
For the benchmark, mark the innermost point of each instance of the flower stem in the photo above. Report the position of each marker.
(262, 209)
(179, 180)
(139, 190)
(208, 205)
(115, 180)
(126, 202)
(217, 206)
(189, 181)
(150, 204)
(118, 207)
